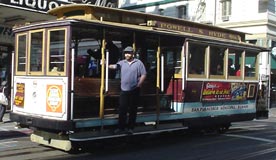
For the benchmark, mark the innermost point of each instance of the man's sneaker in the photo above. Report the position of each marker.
(129, 131)
(119, 131)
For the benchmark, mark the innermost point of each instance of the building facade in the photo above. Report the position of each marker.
(257, 18)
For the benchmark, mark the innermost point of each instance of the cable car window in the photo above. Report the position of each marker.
(56, 51)
(170, 54)
(197, 58)
(251, 64)
(36, 51)
(217, 63)
(21, 53)
(235, 62)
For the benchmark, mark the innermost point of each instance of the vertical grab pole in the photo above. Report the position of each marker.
(106, 70)
(101, 114)
(72, 81)
(158, 83)
(12, 85)
(183, 73)
(183, 65)
(162, 72)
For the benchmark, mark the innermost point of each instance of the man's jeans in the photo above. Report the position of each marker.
(128, 104)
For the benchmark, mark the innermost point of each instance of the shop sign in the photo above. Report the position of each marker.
(45, 5)
(37, 5)
(104, 3)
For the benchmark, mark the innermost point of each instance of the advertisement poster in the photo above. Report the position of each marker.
(54, 98)
(223, 91)
(19, 95)
(238, 91)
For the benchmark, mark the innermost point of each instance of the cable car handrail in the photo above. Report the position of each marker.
(106, 71)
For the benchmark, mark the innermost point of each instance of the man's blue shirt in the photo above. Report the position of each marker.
(131, 73)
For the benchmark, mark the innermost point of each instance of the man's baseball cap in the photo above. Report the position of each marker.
(128, 49)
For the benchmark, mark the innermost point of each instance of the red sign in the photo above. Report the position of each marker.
(216, 91)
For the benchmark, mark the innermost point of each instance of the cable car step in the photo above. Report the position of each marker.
(105, 134)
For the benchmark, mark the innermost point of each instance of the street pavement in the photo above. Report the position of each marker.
(235, 144)
(6, 117)
(272, 112)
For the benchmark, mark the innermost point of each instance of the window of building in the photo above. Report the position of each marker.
(161, 11)
(226, 8)
(182, 11)
(263, 6)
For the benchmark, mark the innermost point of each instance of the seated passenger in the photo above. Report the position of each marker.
(93, 62)
(231, 70)
(219, 70)
(238, 72)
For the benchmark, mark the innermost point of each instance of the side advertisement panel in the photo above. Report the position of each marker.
(41, 97)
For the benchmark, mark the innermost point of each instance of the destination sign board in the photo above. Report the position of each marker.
(193, 30)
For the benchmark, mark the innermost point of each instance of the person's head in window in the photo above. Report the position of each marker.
(129, 53)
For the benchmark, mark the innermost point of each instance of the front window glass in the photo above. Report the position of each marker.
(36, 50)
(57, 51)
(21, 53)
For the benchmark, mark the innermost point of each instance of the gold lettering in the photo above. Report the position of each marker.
(217, 34)
(169, 26)
(175, 27)
(234, 37)
(188, 29)
(180, 28)
(162, 25)
(200, 31)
